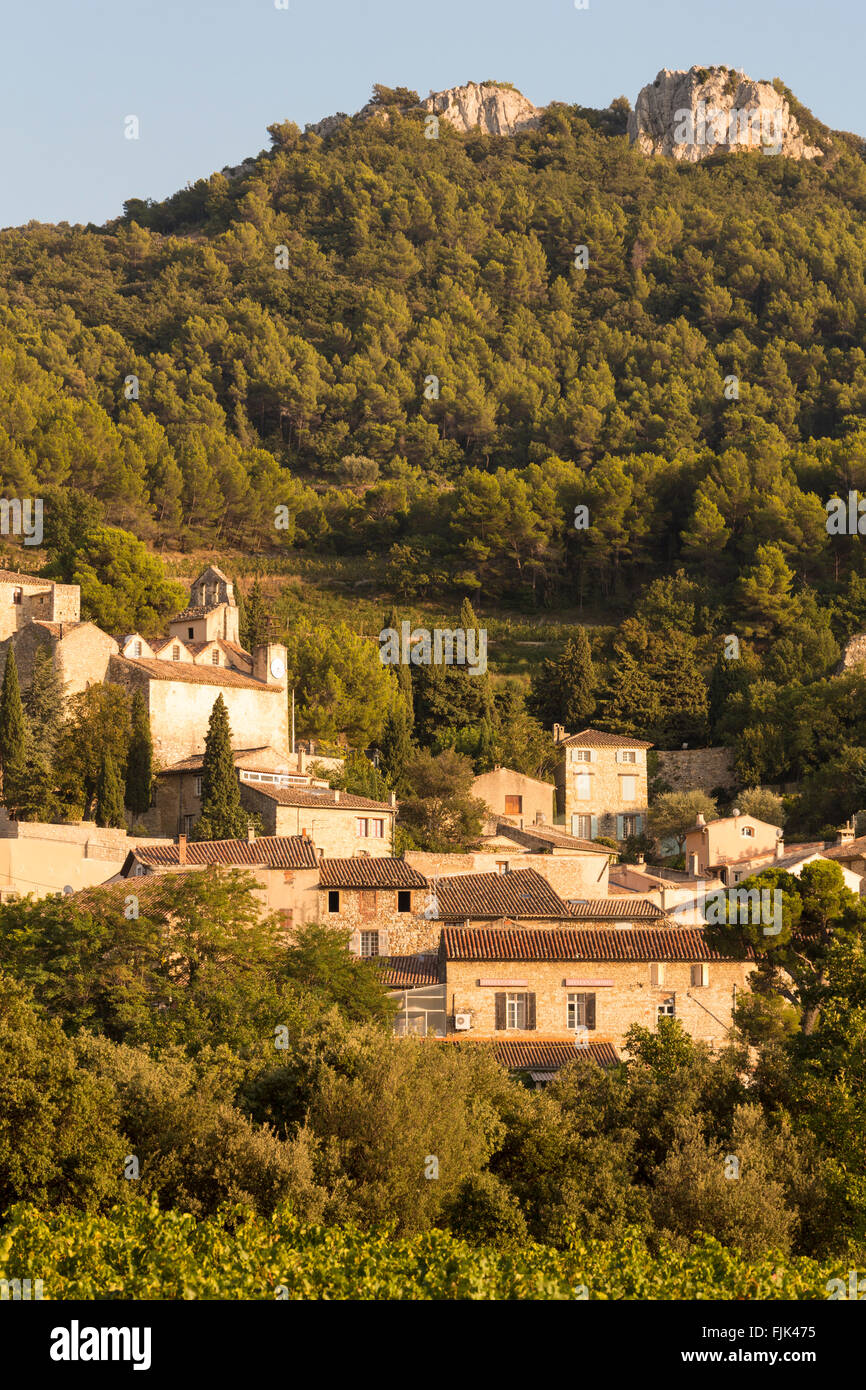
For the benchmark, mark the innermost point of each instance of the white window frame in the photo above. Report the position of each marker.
(515, 1010)
(628, 755)
(369, 938)
(581, 755)
(572, 1022)
(198, 786)
(667, 1008)
(583, 834)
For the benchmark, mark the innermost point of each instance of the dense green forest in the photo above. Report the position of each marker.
(249, 367)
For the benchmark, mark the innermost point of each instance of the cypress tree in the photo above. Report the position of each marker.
(257, 618)
(563, 691)
(396, 743)
(222, 816)
(44, 717)
(404, 680)
(139, 766)
(13, 738)
(109, 795)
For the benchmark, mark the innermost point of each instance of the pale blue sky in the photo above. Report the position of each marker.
(205, 77)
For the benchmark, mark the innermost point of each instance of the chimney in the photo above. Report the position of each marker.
(846, 834)
(304, 835)
(302, 760)
(181, 849)
(693, 865)
(558, 733)
(336, 794)
(780, 848)
(393, 799)
(251, 834)
(699, 819)
(736, 811)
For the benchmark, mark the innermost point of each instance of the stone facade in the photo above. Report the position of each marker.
(25, 598)
(624, 994)
(601, 783)
(521, 798)
(571, 876)
(39, 859)
(697, 769)
(337, 823)
(392, 913)
(81, 652)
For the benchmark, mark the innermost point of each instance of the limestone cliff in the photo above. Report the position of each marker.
(689, 115)
(485, 106)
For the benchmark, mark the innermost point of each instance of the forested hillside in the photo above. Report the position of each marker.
(283, 325)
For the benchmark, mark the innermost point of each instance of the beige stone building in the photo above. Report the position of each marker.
(381, 901)
(37, 613)
(339, 823)
(25, 598)
(714, 847)
(574, 983)
(601, 783)
(38, 859)
(178, 794)
(515, 796)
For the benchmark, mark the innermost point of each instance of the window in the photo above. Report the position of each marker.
(368, 826)
(582, 783)
(190, 632)
(629, 826)
(215, 656)
(333, 900)
(515, 1011)
(700, 975)
(581, 826)
(502, 866)
(16, 596)
(628, 755)
(628, 788)
(198, 786)
(369, 943)
(175, 653)
(748, 831)
(404, 900)
(581, 755)
(514, 805)
(666, 1007)
(580, 1011)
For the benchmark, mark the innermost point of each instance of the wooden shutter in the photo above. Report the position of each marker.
(383, 943)
(590, 1011)
(638, 825)
(500, 1010)
(530, 1011)
(619, 829)
(355, 943)
(593, 826)
(593, 755)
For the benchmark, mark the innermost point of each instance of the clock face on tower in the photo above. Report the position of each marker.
(278, 668)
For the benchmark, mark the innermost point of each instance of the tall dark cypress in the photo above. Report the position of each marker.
(139, 766)
(13, 739)
(222, 816)
(109, 795)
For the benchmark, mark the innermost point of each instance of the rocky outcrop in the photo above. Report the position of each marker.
(485, 106)
(689, 115)
(853, 654)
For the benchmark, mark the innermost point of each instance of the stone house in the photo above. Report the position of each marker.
(382, 902)
(285, 867)
(39, 859)
(574, 868)
(340, 823)
(521, 895)
(26, 598)
(601, 783)
(573, 983)
(713, 848)
(178, 793)
(513, 795)
(38, 613)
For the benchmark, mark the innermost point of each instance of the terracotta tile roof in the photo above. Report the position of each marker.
(522, 893)
(409, 972)
(549, 835)
(194, 675)
(199, 611)
(543, 1054)
(616, 909)
(369, 873)
(154, 896)
(242, 757)
(578, 944)
(597, 738)
(322, 797)
(854, 849)
(270, 851)
(15, 577)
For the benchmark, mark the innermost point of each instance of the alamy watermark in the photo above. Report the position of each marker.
(445, 646)
(22, 517)
(714, 125)
(737, 906)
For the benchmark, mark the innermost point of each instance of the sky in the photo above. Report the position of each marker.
(206, 77)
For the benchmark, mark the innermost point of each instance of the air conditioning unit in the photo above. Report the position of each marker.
(462, 1022)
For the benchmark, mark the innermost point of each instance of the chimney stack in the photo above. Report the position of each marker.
(302, 760)
(780, 848)
(181, 849)
(336, 794)
(393, 798)
(251, 834)
(846, 834)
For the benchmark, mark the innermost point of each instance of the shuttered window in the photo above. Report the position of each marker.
(581, 1011)
(515, 1011)
(513, 805)
(369, 943)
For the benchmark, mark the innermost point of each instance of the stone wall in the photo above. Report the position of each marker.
(571, 876)
(697, 769)
(375, 909)
(332, 828)
(537, 798)
(704, 1011)
(606, 800)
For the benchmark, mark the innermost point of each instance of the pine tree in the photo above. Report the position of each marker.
(139, 767)
(13, 739)
(222, 816)
(257, 618)
(109, 796)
